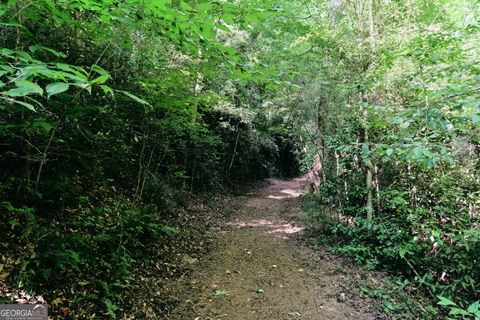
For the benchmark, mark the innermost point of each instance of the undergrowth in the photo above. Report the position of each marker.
(425, 262)
(86, 257)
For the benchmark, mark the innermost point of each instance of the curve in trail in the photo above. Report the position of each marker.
(259, 269)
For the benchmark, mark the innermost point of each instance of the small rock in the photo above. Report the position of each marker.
(341, 297)
(294, 314)
(189, 260)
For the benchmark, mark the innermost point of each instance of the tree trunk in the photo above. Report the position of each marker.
(140, 166)
(377, 186)
(371, 25)
(234, 151)
(369, 180)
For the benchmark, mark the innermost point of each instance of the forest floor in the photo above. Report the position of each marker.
(261, 266)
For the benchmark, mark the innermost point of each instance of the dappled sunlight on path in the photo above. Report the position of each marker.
(269, 202)
(281, 228)
(282, 189)
(285, 193)
(261, 269)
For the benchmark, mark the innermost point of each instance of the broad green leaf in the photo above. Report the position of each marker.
(85, 86)
(56, 88)
(65, 67)
(476, 118)
(7, 52)
(445, 302)
(73, 72)
(204, 7)
(56, 53)
(457, 311)
(107, 90)
(134, 97)
(42, 124)
(12, 25)
(474, 307)
(185, 6)
(24, 88)
(100, 70)
(26, 105)
(101, 79)
(6, 68)
(417, 153)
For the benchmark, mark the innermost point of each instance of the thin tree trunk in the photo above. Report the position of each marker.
(44, 159)
(369, 180)
(145, 173)
(338, 172)
(185, 163)
(371, 25)
(77, 36)
(18, 40)
(140, 167)
(157, 167)
(369, 205)
(377, 186)
(193, 173)
(234, 151)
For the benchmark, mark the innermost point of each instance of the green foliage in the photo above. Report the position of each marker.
(420, 242)
(401, 106)
(456, 312)
(398, 299)
(148, 101)
(97, 246)
(144, 102)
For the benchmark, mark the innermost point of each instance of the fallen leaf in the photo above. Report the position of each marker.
(220, 293)
(57, 301)
(65, 311)
(4, 275)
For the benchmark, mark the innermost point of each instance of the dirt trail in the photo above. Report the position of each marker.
(259, 269)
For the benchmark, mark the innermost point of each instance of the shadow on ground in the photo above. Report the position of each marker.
(261, 269)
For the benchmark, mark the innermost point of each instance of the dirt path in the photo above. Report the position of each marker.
(260, 270)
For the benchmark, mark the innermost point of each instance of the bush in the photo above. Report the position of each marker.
(92, 246)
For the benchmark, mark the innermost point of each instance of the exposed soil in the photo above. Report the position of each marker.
(261, 268)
